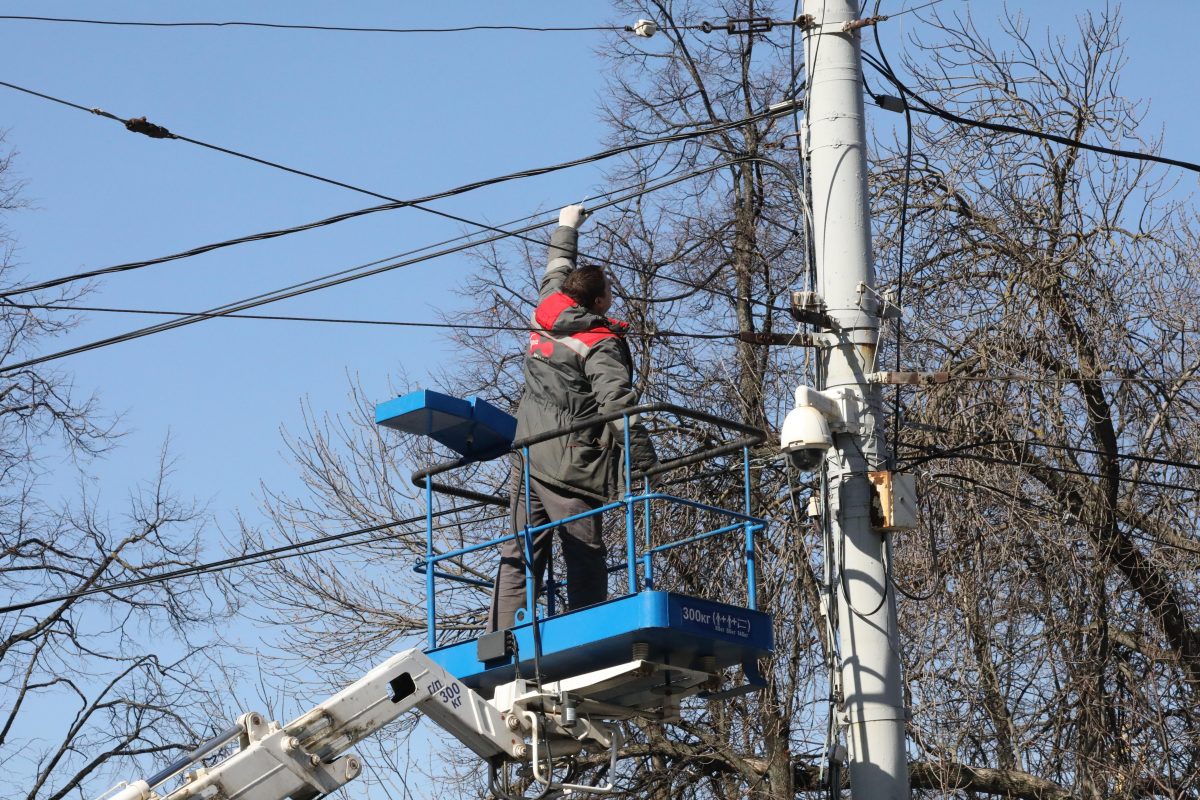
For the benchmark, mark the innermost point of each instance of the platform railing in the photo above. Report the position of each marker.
(742, 520)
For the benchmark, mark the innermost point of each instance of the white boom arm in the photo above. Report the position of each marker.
(303, 759)
(307, 757)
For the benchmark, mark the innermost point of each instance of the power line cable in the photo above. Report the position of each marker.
(1149, 380)
(140, 125)
(335, 28)
(908, 154)
(1058, 512)
(294, 549)
(1049, 445)
(1015, 378)
(159, 132)
(351, 321)
(885, 17)
(928, 108)
(1065, 470)
(346, 276)
(249, 559)
(732, 26)
(399, 203)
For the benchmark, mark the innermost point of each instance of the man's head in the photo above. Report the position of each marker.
(590, 287)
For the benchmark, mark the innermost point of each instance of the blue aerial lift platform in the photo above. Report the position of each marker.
(660, 627)
(529, 700)
(690, 640)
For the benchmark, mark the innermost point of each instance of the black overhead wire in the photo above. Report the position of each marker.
(1057, 512)
(1152, 380)
(884, 67)
(829, 760)
(350, 321)
(908, 153)
(307, 547)
(1008, 462)
(744, 25)
(910, 9)
(925, 107)
(352, 274)
(936, 583)
(949, 451)
(332, 279)
(1013, 378)
(877, 17)
(398, 202)
(692, 286)
(290, 550)
(140, 125)
(336, 28)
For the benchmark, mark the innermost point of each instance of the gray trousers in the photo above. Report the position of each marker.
(583, 551)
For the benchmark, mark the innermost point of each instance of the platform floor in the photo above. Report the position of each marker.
(678, 631)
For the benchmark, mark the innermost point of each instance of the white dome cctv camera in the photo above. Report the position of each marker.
(805, 435)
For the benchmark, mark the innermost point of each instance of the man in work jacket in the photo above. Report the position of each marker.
(578, 366)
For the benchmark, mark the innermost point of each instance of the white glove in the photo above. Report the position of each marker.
(572, 216)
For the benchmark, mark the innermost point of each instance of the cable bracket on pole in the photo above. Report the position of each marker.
(856, 24)
(748, 25)
(786, 106)
(785, 339)
(908, 378)
(741, 25)
(810, 307)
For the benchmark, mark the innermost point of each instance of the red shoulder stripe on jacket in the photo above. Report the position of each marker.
(549, 310)
(594, 336)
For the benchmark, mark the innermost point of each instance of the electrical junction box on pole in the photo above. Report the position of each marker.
(894, 506)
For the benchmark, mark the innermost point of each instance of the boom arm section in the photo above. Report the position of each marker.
(304, 759)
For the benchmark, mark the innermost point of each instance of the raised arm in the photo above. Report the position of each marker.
(560, 261)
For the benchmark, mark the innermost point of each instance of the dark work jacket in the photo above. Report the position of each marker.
(578, 365)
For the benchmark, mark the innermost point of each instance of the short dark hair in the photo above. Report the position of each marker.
(585, 285)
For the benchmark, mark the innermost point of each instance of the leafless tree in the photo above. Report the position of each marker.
(1048, 612)
(1059, 645)
(94, 678)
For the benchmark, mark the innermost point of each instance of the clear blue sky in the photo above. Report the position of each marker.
(404, 115)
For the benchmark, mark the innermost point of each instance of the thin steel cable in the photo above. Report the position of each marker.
(1054, 512)
(925, 107)
(904, 11)
(730, 26)
(908, 154)
(345, 276)
(350, 321)
(334, 28)
(393, 203)
(290, 550)
(1017, 378)
(1064, 470)
(1049, 445)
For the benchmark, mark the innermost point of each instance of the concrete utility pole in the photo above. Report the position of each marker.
(873, 708)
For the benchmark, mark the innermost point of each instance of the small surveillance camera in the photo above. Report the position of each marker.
(805, 437)
(805, 460)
